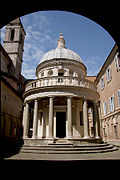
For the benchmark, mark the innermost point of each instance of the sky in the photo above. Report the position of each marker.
(82, 35)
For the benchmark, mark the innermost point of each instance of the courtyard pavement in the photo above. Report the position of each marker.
(115, 155)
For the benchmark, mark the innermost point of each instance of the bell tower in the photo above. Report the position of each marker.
(13, 44)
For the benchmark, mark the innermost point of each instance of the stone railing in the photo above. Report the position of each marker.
(60, 81)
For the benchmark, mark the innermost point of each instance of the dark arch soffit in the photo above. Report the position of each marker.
(106, 15)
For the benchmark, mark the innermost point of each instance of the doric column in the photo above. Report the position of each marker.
(95, 119)
(25, 120)
(35, 119)
(99, 119)
(51, 117)
(69, 115)
(43, 121)
(85, 119)
(54, 125)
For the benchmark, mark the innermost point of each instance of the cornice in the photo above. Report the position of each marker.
(77, 91)
(57, 62)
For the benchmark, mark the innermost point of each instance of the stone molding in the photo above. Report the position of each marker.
(63, 91)
(57, 62)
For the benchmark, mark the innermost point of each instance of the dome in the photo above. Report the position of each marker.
(61, 52)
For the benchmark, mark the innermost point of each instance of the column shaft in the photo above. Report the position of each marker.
(26, 121)
(85, 118)
(43, 122)
(51, 117)
(54, 125)
(35, 119)
(69, 116)
(95, 119)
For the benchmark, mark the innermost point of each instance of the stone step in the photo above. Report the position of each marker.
(69, 149)
(60, 144)
(66, 149)
(70, 152)
(70, 145)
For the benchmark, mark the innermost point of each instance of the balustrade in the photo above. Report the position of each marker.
(56, 81)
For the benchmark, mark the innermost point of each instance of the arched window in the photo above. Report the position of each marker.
(12, 35)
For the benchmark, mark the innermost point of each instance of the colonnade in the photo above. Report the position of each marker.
(69, 118)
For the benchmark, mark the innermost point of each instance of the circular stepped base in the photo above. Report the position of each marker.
(68, 148)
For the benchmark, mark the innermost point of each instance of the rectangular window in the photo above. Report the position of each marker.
(5, 97)
(119, 97)
(117, 61)
(102, 85)
(60, 80)
(105, 108)
(111, 104)
(115, 129)
(12, 35)
(108, 74)
(81, 118)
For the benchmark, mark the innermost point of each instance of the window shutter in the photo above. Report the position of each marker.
(110, 104)
(118, 62)
(119, 97)
(113, 106)
(107, 74)
(110, 74)
(105, 108)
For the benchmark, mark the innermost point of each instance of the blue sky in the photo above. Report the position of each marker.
(81, 34)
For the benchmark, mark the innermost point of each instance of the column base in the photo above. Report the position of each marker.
(25, 137)
(86, 137)
(34, 137)
(97, 137)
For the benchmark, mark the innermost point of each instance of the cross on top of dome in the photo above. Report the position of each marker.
(61, 41)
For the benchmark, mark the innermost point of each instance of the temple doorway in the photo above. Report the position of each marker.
(60, 124)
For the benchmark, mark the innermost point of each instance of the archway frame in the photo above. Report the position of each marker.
(106, 15)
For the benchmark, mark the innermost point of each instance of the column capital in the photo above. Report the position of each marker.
(95, 101)
(51, 97)
(85, 99)
(70, 97)
(36, 100)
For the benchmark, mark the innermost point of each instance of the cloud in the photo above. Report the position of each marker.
(37, 42)
(29, 73)
(42, 20)
(93, 65)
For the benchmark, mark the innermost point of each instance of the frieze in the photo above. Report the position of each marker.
(56, 62)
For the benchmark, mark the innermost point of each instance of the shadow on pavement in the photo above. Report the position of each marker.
(9, 147)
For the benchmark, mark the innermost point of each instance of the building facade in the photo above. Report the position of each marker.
(56, 103)
(108, 84)
(12, 82)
